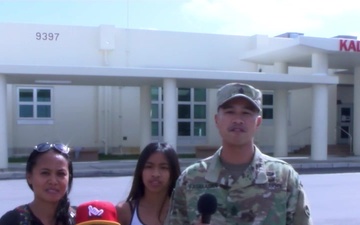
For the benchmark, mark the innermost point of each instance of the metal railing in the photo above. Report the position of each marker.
(350, 139)
(305, 137)
(304, 141)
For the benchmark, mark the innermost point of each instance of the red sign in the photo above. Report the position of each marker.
(349, 45)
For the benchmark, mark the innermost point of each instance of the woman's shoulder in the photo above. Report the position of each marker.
(13, 216)
(124, 212)
(72, 211)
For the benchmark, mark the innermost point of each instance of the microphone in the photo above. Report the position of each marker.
(207, 205)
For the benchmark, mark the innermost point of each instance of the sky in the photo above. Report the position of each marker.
(317, 18)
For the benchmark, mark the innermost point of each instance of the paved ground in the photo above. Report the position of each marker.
(126, 167)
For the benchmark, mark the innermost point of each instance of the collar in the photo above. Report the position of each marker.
(254, 174)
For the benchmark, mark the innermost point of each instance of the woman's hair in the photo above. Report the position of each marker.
(138, 188)
(62, 215)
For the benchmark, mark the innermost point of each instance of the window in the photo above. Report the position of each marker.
(191, 112)
(34, 103)
(268, 106)
(156, 112)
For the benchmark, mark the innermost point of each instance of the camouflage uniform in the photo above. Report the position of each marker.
(267, 193)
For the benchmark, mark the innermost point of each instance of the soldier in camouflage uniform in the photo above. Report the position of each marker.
(251, 188)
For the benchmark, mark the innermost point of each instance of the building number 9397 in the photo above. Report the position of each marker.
(46, 36)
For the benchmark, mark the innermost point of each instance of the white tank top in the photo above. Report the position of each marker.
(135, 220)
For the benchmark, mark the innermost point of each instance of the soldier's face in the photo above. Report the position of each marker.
(237, 121)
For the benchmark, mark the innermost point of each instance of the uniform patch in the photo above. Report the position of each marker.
(202, 186)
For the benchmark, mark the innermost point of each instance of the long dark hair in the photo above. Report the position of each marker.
(62, 215)
(138, 188)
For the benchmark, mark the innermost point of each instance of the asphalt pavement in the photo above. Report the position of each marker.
(106, 168)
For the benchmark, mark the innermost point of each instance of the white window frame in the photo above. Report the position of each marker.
(34, 120)
(269, 106)
(192, 120)
(160, 119)
(271, 121)
(159, 102)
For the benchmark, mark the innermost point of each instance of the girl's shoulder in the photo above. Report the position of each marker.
(124, 207)
(124, 212)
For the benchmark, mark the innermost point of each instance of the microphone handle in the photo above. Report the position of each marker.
(205, 218)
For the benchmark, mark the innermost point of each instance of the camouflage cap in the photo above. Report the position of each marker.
(234, 90)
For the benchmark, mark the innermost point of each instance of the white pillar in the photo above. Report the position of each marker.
(319, 131)
(280, 115)
(3, 134)
(281, 123)
(170, 112)
(145, 117)
(356, 124)
(319, 62)
(281, 67)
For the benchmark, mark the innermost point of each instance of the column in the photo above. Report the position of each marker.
(319, 62)
(356, 124)
(281, 67)
(319, 131)
(281, 123)
(145, 116)
(281, 115)
(3, 134)
(170, 111)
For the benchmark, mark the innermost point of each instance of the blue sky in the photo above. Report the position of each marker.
(321, 18)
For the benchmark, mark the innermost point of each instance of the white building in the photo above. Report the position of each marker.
(104, 87)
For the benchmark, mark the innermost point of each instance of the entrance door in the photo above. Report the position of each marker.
(345, 118)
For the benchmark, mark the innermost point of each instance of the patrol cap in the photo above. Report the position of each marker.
(235, 90)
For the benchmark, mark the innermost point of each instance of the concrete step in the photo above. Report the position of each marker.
(337, 150)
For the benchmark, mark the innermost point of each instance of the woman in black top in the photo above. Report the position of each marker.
(49, 174)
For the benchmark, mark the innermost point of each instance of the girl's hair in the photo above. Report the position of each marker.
(138, 188)
(62, 215)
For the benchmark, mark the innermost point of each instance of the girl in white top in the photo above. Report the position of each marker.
(154, 179)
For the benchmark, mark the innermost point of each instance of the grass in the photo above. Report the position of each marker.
(17, 159)
(103, 157)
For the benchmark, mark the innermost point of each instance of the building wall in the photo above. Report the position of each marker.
(74, 45)
(108, 118)
(81, 121)
(130, 99)
(81, 46)
(74, 119)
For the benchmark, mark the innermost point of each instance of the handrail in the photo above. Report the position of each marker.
(350, 139)
(339, 127)
(300, 131)
(303, 141)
